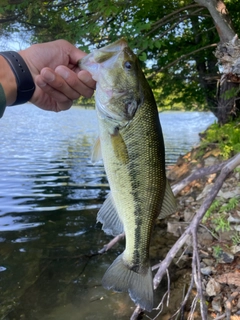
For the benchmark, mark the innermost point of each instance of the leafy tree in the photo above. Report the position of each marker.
(174, 39)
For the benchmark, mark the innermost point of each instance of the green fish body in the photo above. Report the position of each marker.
(132, 149)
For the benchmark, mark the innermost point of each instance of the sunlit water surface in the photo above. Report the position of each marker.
(49, 196)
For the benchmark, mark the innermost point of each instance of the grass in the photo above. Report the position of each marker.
(226, 138)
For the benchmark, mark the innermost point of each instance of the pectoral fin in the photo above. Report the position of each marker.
(108, 216)
(169, 203)
(96, 152)
(119, 147)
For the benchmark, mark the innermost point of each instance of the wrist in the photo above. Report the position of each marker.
(23, 76)
(8, 81)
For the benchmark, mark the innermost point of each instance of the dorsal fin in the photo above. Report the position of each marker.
(109, 217)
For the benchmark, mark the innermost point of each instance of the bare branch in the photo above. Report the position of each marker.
(192, 230)
(185, 298)
(136, 313)
(164, 21)
(225, 167)
(220, 17)
(166, 17)
(222, 316)
(228, 305)
(177, 23)
(197, 274)
(197, 175)
(183, 57)
(112, 243)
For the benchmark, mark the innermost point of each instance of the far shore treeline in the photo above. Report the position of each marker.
(89, 103)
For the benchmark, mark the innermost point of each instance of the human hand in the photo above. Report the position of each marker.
(56, 74)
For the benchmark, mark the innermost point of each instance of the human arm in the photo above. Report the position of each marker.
(55, 72)
(8, 82)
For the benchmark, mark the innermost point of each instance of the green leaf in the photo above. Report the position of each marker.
(157, 44)
(143, 56)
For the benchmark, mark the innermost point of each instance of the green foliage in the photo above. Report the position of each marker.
(230, 93)
(167, 35)
(214, 206)
(221, 222)
(163, 33)
(236, 239)
(217, 251)
(232, 204)
(237, 169)
(226, 137)
(217, 213)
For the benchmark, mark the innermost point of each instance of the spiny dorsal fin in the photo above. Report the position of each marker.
(109, 217)
(169, 203)
(96, 152)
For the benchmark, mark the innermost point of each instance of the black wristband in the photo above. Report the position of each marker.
(2, 101)
(25, 83)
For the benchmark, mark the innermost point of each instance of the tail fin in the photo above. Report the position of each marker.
(120, 278)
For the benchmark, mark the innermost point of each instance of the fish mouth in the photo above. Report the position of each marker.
(103, 58)
(96, 63)
(105, 53)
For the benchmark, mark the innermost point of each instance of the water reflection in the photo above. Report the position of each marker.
(49, 194)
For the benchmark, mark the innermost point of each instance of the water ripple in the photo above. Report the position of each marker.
(45, 163)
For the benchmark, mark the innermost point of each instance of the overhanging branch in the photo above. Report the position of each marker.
(184, 56)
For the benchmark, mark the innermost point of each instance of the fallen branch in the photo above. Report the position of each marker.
(176, 188)
(222, 316)
(137, 312)
(228, 305)
(111, 243)
(229, 166)
(225, 167)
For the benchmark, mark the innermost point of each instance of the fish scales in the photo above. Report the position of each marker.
(132, 149)
(148, 181)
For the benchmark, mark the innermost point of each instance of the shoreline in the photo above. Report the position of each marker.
(218, 234)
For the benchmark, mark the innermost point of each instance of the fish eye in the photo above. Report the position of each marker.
(128, 65)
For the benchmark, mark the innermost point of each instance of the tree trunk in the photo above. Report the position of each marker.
(228, 107)
(205, 67)
(228, 54)
(228, 94)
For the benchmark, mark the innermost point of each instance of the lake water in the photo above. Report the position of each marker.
(49, 197)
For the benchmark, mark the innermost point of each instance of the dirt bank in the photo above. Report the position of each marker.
(218, 236)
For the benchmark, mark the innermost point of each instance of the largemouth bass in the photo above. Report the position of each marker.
(132, 149)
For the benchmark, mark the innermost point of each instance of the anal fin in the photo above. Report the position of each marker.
(109, 217)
